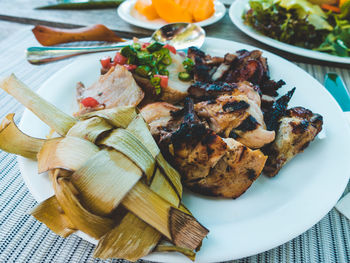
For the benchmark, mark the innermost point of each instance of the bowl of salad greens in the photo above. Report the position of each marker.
(297, 26)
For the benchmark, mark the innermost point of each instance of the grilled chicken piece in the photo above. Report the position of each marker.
(158, 115)
(116, 88)
(197, 157)
(224, 113)
(211, 165)
(207, 68)
(236, 115)
(206, 91)
(233, 174)
(298, 127)
(243, 66)
(209, 91)
(251, 66)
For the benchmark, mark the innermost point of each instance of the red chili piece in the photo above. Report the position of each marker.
(145, 45)
(171, 48)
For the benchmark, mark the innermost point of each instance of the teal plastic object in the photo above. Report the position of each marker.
(335, 85)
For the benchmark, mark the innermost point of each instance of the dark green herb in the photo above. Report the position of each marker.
(155, 81)
(143, 71)
(184, 76)
(128, 52)
(155, 46)
(136, 46)
(164, 72)
(188, 65)
(144, 58)
(166, 60)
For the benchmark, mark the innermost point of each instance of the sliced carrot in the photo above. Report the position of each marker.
(146, 8)
(171, 12)
(332, 8)
(203, 10)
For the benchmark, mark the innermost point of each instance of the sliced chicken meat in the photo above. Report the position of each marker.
(298, 127)
(233, 174)
(115, 88)
(158, 115)
(208, 164)
(237, 116)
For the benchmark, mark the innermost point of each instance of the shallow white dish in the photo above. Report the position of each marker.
(272, 211)
(236, 10)
(127, 12)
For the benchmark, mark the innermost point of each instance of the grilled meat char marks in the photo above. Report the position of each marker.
(277, 110)
(243, 66)
(235, 114)
(298, 127)
(211, 165)
(232, 110)
(233, 174)
(200, 91)
(235, 106)
(208, 163)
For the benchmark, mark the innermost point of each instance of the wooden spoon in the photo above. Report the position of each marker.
(48, 36)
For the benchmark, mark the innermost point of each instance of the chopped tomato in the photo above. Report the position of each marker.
(119, 59)
(145, 45)
(90, 102)
(163, 80)
(130, 66)
(332, 8)
(106, 62)
(171, 48)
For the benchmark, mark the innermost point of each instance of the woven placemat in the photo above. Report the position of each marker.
(24, 239)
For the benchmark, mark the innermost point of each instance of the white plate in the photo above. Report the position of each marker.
(127, 12)
(272, 211)
(240, 6)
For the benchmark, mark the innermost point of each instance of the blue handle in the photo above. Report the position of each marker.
(335, 85)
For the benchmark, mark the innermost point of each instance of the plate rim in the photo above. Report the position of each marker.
(238, 6)
(171, 257)
(125, 7)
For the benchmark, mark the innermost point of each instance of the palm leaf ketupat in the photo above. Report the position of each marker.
(109, 177)
(12, 140)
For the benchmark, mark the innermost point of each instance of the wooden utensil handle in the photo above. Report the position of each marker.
(48, 36)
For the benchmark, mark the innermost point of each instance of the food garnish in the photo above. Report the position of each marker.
(303, 24)
(157, 64)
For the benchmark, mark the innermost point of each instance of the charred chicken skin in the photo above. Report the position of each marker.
(234, 113)
(298, 127)
(208, 163)
(223, 118)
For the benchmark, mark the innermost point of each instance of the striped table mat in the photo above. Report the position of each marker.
(23, 239)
